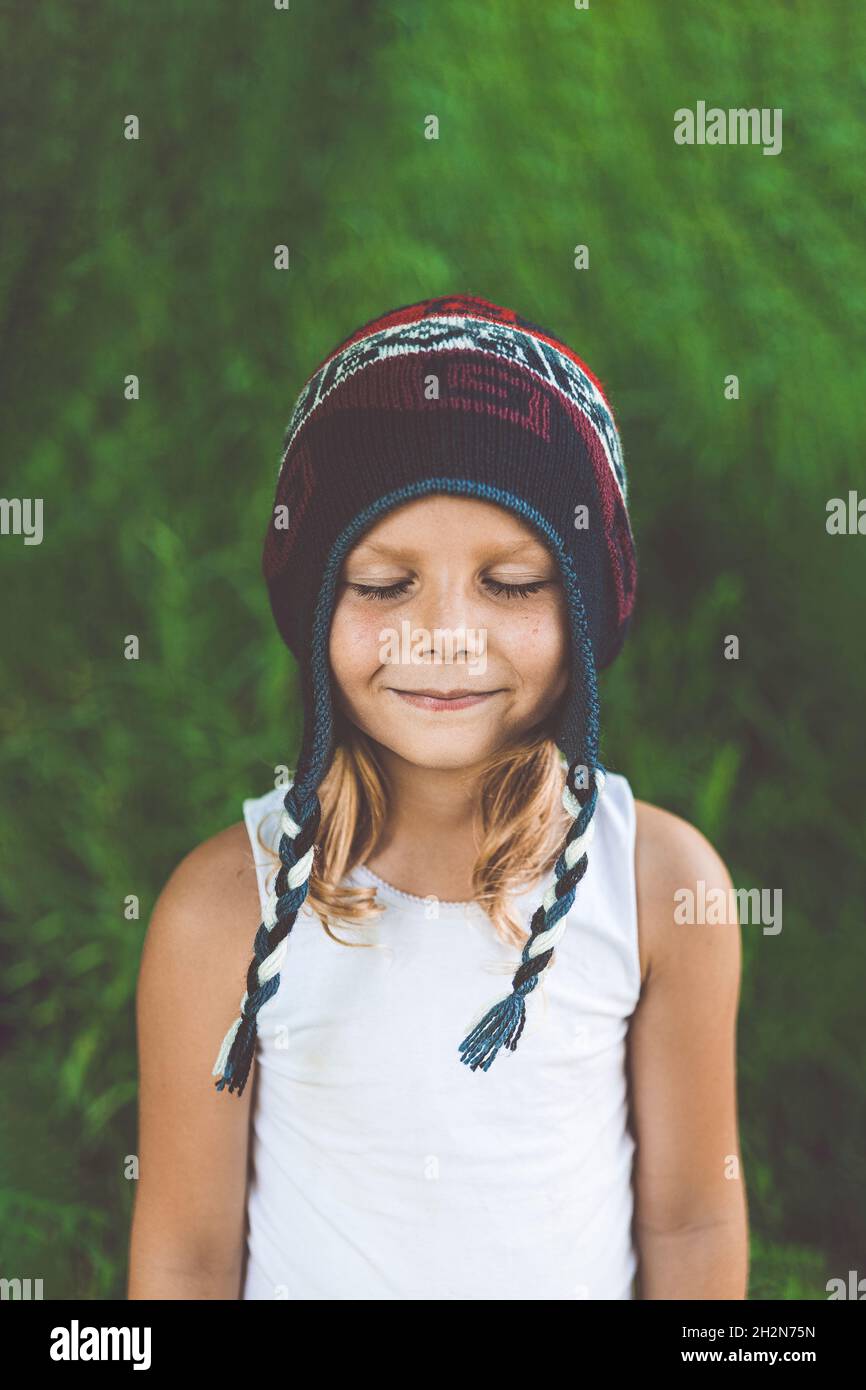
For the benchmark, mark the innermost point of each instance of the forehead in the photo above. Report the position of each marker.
(431, 525)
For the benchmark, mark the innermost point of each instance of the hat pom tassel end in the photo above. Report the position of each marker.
(501, 1026)
(234, 1068)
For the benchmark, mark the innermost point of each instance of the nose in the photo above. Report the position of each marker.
(444, 601)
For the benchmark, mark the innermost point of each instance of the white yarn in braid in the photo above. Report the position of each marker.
(546, 940)
(297, 874)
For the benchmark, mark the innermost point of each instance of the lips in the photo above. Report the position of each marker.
(443, 699)
(443, 694)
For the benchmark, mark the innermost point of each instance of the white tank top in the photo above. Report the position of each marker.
(382, 1167)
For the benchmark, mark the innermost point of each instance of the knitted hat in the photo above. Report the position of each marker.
(458, 396)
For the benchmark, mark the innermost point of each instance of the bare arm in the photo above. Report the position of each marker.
(691, 1223)
(188, 1231)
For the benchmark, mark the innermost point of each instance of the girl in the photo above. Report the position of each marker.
(486, 1062)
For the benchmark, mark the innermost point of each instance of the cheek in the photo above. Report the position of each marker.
(536, 642)
(354, 644)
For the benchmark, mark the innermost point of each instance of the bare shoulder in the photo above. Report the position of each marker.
(209, 907)
(220, 869)
(199, 942)
(203, 927)
(671, 855)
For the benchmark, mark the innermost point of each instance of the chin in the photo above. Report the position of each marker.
(445, 753)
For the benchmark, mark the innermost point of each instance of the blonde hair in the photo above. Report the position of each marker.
(520, 827)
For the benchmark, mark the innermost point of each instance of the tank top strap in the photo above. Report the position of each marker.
(611, 876)
(619, 815)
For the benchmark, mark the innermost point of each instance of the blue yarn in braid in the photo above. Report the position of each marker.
(503, 1024)
(302, 811)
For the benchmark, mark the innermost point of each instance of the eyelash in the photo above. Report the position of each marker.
(393, 590)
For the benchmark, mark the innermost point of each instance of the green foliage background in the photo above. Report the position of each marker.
(155, 257)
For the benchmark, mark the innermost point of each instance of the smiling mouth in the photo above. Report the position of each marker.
(444, 699)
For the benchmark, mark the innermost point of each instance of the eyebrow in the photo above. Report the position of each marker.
(407, 552)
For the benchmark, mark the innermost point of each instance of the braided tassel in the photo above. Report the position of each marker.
(503, 1024)
(297, 848)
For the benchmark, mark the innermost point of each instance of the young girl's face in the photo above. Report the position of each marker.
(449, 597)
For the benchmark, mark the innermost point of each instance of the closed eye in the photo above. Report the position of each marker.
(518, 590)
(386, 591)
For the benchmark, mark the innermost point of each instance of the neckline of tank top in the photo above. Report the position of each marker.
(412, 902)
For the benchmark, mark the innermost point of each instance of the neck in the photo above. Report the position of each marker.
(427, 846)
